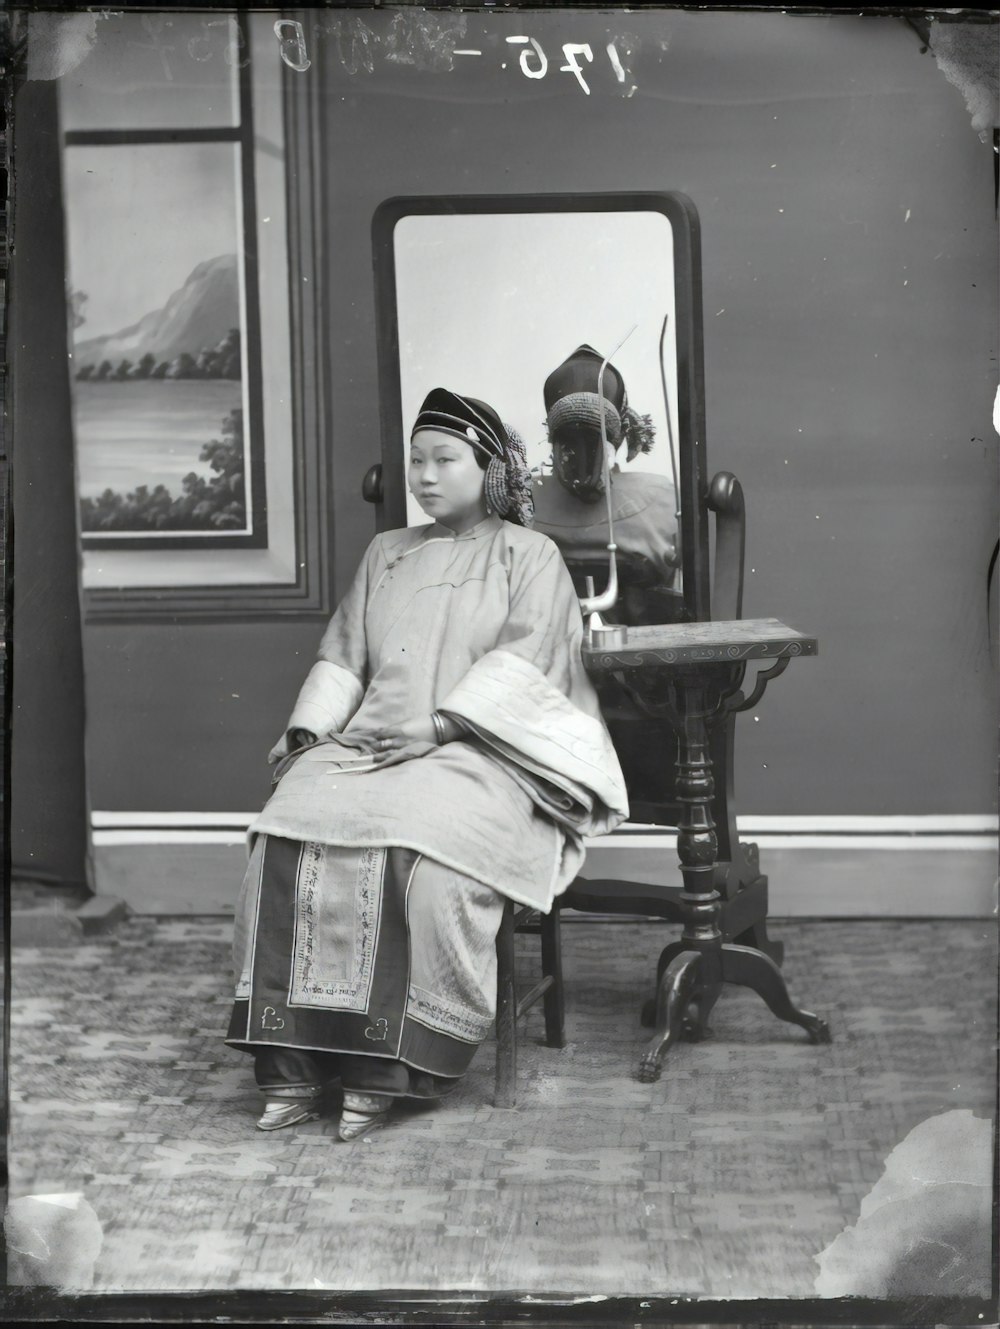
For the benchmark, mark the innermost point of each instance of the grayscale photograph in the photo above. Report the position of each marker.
(500, 664)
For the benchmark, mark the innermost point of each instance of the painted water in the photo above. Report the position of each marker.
(147, 432)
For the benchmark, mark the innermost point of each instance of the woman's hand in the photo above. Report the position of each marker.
(424, 730)
(397, 736)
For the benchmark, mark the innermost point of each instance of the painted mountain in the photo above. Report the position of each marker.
(201, 319)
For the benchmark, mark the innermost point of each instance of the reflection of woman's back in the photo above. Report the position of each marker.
(571, 508)
(570, 505)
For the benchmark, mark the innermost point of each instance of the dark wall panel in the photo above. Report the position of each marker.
(48, 805)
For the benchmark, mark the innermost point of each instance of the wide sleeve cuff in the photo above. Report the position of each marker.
(512, 705)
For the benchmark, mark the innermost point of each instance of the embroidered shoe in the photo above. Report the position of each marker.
(278, 1114)
(362, 1113)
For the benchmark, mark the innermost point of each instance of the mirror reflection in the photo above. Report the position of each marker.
(534, 312)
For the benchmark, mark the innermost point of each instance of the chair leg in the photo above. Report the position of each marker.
(506, 1071)
(555, 1018)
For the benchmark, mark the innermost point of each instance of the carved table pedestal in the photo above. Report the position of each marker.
(693, 674)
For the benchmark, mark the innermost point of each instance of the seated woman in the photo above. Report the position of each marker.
(446, 753)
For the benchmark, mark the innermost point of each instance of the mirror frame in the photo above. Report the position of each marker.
(690, 424)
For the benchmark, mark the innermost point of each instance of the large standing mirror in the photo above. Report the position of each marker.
(490, 295)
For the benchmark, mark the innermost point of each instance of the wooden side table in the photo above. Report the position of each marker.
(693, 673)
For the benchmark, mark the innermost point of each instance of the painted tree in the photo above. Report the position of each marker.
(183, 366)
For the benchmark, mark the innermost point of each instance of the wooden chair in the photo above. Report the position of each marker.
(510, 1007)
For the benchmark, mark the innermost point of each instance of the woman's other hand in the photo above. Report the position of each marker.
(291, 742)
(298, 740)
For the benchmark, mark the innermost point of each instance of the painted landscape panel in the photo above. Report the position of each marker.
(157, 316)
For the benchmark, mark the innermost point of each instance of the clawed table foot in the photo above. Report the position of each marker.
(679, 1010)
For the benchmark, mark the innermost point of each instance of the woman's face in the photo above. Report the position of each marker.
(446, 479)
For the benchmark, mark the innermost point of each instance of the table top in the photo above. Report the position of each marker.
(689, 643)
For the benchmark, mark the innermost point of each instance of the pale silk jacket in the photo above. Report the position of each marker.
(486, 627)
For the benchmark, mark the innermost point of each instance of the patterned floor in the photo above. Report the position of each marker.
(725, 1179)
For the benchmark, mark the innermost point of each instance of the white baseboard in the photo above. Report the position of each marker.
(818, 867)
(890, 824)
